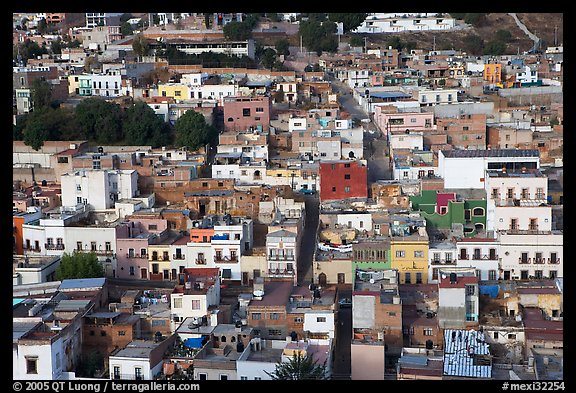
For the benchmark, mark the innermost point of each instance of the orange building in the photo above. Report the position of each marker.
(493, 72)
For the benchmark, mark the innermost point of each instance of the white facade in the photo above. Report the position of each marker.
(437, 97)
(395, 23)
(483, 256)
(320, 322)
(249, 151)
(328, 149)
(358, 78)
(99, 239)
(523, 218)
(470, 171)
(197, 255)
(130, 367)
(194, 305)
(412, 140)
(216, 92)
(360, 221)
(529, 253)
(413, 172)
(352, 140)
(108, 84)
(527, 75)
(99, 188)
(49, 359)
(297, 124)
(441, 255)
(226, 171)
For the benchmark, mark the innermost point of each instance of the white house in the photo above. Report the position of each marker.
(536, 255)
(395, 23)
(467, 168)
(480, 254)
(517, 200)
(107, 84)
(442, 254)
(282, 250)
(139, 360)
(527, 75)
(99, 188)
(427, 97)
(406, 140)
(320, 322)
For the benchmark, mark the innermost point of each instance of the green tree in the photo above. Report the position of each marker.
(42, 26)
(56, 46)
(125, 17)
(126, 29)
(395, 42)
(299, 367)
(274, 17)
(356, 40)
(142, 127)
(41, 93)
(473, 44)
(192, 130)
(282, 47)
(503, 35)
(349, 20)
(140, 45)
(495, 48)
(43, 124)
(237, 31)
(475, 19)
(79, 265)
(268, 58)
(99, 120)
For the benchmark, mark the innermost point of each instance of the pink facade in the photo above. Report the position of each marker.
(132, 242)
(442, 202)
(241, 113)
(413, 121)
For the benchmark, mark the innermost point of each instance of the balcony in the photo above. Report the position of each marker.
(485, 257)
(132, 255)
(554, 261)
(226, 259)
(104, 253)
(280, 273)
(539, 261)
(443, 262)
(178, 256)
(201, 261)
(464, 257)
(280, 257)
(128, 377)
(524, 261)
(54, 246)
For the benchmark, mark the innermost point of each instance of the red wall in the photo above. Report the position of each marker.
(330, 178)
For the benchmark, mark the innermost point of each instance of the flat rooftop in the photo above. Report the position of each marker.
(491, 153)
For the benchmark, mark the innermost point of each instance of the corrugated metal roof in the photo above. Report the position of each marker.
(459, 354)
(82, 283)
(491, 153)
(71, 305)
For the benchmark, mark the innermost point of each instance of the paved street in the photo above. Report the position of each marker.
(308, 240)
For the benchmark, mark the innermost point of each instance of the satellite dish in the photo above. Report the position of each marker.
(371, 281)
(443, 277)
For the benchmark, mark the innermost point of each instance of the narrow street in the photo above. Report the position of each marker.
(308, 244)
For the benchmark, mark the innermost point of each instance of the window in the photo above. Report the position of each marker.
(400, 254)
(540, 193)
(260, 110)
(93, 246)
(333, 189)
(152, 227)
(435, 273)
(256, 316)
(407, 278)
(195, 304)
(320, 319)
(178, 302)
(274, 332)
(511, 336)
(538, 274)
(491, 274)
(436, 257)
(246, 112)
(243, 378)
(419, 254)
(495, 193)
(524, 194)
(347, 189)
(391, 314)
(465, 128)
(470, 290)
(477, 211)
(103, 333)
(513, 223)
(346, 177)
(510, 193)
(274, 316)
(428, 332)
(31, 365)
(298, 320)
(533, 224)
(257, 378)
(418, 278)
(495, 335)
(131, 270)
(202, 376)
(116, 372)
(121, 332)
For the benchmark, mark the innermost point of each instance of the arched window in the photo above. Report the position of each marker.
(230, 119)
(478, 211)
(223, 339)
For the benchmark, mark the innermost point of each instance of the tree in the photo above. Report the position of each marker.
(237, 31)
(140, 45)
(142, 127)
(475, 19)
(350, 20)
(42, 26)
(268, 58)
(56, 46)
(503, 35)
(473, 44)
(356, 40)
(395, 42)
(495, 48)
(99, 120)
(192, 130)
(126, 29)
(299, 367)
(282, 47)
(79, 265)
(41, 92)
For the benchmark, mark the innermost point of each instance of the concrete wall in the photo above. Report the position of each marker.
(367, 361)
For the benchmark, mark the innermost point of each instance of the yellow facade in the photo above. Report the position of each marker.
(410, 256)
(493, 73)
(175, 90)
(159, 260)
(73, 84)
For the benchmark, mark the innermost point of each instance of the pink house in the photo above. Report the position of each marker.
(241, 113)
(442, 201)
(132, 242)
(388, 119)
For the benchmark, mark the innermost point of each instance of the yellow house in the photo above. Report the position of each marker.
(73, 85)
(493, 73)
(159, 262)
(409, 255)
(177, 91)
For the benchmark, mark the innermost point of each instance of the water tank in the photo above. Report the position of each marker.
(453, 278)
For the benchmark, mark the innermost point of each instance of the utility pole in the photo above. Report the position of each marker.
(365, 45)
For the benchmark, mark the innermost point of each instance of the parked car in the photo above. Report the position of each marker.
(306, 191)
(345, 303)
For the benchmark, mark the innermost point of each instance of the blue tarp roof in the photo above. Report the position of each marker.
(193, 342)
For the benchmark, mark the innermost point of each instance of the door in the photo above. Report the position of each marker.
(143, 274)
(322, 279)
(341, 278)
(506, 274)
(244, 278)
